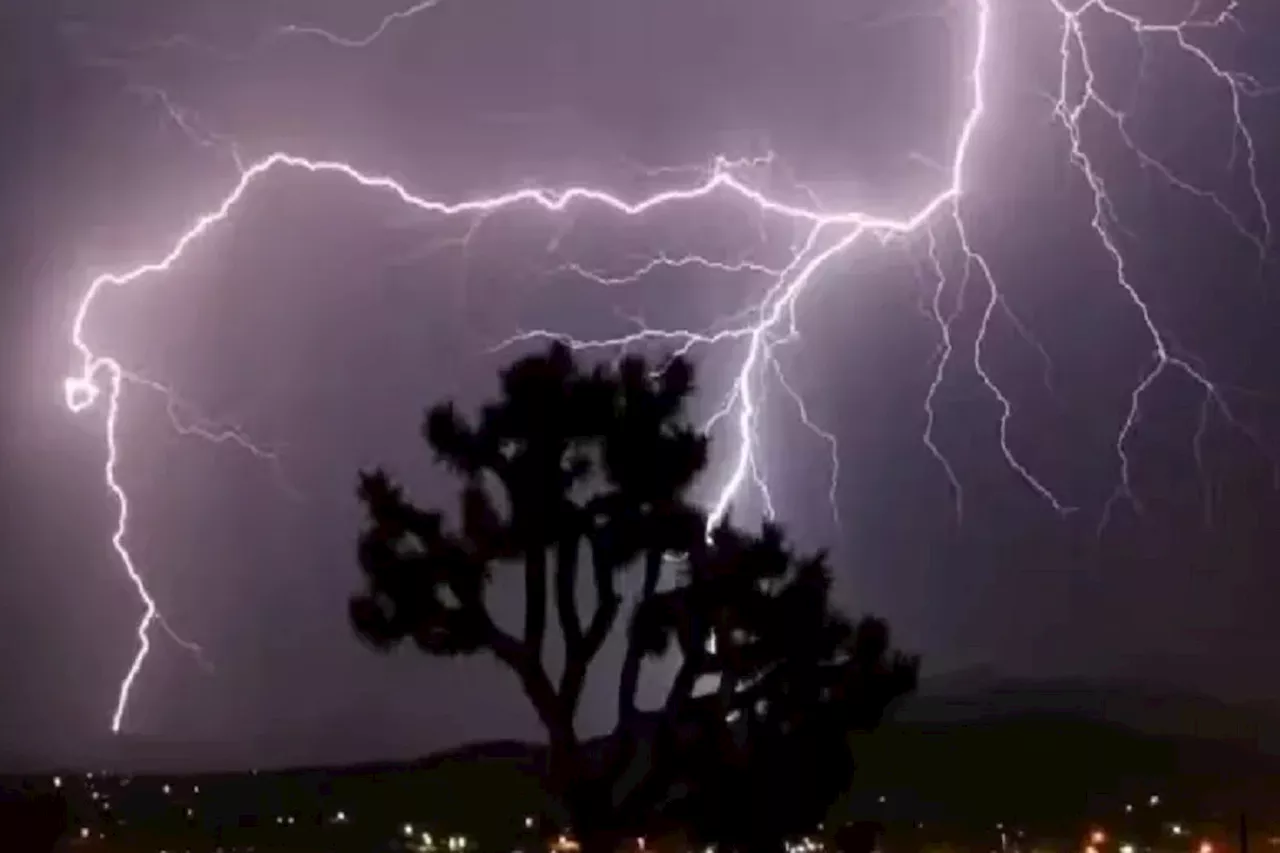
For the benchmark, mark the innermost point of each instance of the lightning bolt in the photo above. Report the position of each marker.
(359, 41)
(769, 323)
(1076, 54)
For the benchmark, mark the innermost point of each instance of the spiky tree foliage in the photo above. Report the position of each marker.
(577, 471)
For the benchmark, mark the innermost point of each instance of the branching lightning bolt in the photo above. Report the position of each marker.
(770, 321)
(1070, 111)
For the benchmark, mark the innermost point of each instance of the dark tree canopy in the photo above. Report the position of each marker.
(576, 470)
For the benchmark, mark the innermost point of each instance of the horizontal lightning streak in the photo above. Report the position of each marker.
(663, 261)
(361, 41)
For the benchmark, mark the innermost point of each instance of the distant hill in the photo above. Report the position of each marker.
(985, 747)
(972, 746)
(1149, 708)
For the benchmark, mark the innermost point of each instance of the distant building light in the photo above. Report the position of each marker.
(84, 832)
(1127, 848)
(1206, 847)
(1176, 829)
(407, 829)
(1098, 837)
(57, 781)
(1155, 800)
(528, 823)
(166, 788)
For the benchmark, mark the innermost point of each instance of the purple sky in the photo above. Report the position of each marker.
(323, 318)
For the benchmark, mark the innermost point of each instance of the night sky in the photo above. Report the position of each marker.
(323, 318)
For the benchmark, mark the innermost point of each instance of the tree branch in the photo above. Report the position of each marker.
(629, 680)
(534, 680)
(579, 654)
(567, 552)
(535, 602)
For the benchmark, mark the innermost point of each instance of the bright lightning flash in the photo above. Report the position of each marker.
(771, 322)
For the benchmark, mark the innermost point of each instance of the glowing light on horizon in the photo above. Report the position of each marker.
(771, 322)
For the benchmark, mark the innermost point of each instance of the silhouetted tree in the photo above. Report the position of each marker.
(574, 470)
